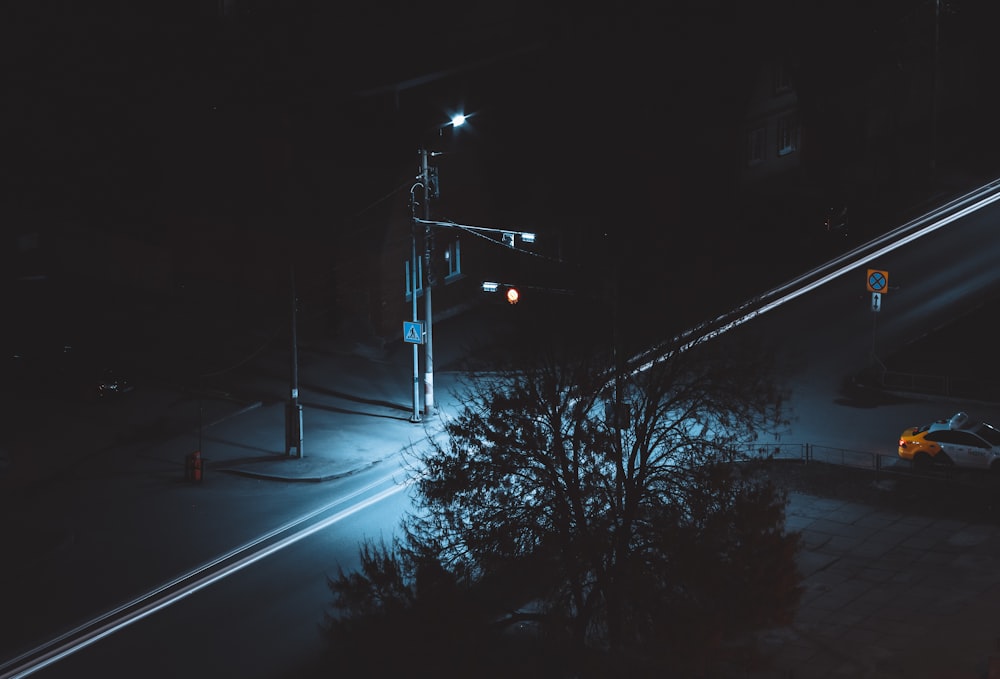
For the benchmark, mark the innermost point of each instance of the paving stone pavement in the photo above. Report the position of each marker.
(888, 595)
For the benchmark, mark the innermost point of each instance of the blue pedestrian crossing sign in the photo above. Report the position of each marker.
(413, 332)
(878, 280)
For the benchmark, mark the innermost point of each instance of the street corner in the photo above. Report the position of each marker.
(300, 469)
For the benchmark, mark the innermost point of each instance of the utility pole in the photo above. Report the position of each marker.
(425, 177)
(934, 85)
(414, 285)
(617, 355)
(617, 359)
(293, 412)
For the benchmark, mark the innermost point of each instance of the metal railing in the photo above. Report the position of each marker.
(882, 465)
(941, 385)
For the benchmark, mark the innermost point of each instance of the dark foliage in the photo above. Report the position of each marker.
(549, 540)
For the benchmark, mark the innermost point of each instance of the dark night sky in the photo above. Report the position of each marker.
(117, 99)
(117, 115)
(207, 137)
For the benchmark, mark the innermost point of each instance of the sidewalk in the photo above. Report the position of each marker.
(357, 407)
(888, 595)
(335, 444)
(356, 402)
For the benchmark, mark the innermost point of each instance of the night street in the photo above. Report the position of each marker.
(283, 243)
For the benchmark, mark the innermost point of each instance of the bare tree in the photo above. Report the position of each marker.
(618, 508)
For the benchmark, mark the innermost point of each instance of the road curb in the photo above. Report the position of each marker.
(316, 478)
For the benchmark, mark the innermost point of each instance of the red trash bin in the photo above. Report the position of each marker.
(193, 466)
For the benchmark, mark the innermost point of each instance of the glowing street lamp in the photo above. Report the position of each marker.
(427, 180)
(429, 190)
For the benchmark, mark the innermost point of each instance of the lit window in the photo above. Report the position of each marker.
(453, 256)
(788, 134)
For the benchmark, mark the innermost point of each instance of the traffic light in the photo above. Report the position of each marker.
(510, 293)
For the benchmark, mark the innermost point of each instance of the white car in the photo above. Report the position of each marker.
(957, 441)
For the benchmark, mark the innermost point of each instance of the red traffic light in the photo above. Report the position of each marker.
(513, 295)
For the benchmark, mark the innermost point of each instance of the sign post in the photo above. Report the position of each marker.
(877, 282)
(413, 333)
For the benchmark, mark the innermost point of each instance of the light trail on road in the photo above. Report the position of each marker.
(797, 288)
(207, 574)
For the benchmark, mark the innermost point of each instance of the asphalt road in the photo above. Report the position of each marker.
(262, 620)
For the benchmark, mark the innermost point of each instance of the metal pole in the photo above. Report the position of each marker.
(934, 85)
(201, 412)
(875, 358)
(414, 284)
(616, 355)
(293, 417)
(429, 275)
(874, 328)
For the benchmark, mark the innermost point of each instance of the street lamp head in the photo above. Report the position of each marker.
(455, 120)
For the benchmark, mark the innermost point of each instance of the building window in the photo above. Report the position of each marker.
(755, 146)
(782, 79)
(788, 134)
(453, 256)
(409, 278)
